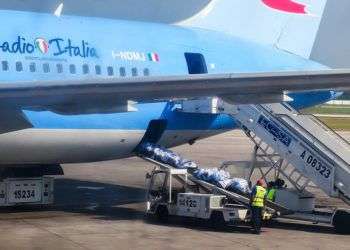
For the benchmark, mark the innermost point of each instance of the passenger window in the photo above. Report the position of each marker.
(110, 71)
(19, 66)
(86, 69)
(98, 70)
(134, 71)
(122, 71)
(46, 68)
(5, 65)
(32, 67)
(146, 72)
(59, 68)
(72, 69)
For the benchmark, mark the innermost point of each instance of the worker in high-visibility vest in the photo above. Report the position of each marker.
(271, 191)
(257, 203)
(271, 194)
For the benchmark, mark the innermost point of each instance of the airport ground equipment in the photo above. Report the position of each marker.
(175, 192)
(298, 148)
(28, 185)
(26, 191)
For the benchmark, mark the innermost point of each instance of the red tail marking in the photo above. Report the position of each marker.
(289, 6)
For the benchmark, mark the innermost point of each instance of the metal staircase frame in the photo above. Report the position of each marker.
(279, 165)
(285, 140)
(283, 116)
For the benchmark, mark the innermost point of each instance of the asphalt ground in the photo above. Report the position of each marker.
(101, 206)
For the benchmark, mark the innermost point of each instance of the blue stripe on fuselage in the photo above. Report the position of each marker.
(133, 120)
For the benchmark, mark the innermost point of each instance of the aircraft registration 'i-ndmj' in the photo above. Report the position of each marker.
(81, 89)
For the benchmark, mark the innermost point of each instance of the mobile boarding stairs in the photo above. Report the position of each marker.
(298, 148)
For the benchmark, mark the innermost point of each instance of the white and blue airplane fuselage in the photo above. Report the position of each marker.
(43, 47)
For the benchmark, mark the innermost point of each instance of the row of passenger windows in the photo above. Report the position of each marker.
(72, 69)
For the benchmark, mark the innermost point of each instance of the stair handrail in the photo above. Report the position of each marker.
(278, 117)
(329, 129)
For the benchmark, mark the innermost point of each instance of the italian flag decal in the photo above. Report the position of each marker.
(153, 57)
(42, 45)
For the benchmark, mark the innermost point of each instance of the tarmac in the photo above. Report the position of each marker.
(101, 206)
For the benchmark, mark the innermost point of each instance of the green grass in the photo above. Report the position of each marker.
(336, 123)
(329, 109)
(332, 122)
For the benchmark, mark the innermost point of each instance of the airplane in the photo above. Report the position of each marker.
(82, 89)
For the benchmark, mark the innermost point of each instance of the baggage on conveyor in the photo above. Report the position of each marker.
(223, 180)
(165, 156)
(219, 178)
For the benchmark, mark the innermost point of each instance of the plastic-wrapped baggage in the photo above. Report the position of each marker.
(223, 180)
(188, 164)
(214, 176)
(165, 156)
(225, 183)
(239, 185)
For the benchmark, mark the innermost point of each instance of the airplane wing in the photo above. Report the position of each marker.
(112, 92)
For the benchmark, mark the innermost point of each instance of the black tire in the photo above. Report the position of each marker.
(162, 213)
(217, 220)
(341, 221)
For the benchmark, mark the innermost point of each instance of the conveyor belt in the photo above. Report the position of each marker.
(210, 188)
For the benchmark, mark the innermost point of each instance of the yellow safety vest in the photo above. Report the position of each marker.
(271, 194)
(258, 199)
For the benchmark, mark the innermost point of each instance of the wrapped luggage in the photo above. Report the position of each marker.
(165, 156)
(214, 176)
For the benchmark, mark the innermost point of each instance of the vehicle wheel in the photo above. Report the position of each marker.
(341, 221)
(217, 220)
(162, 213)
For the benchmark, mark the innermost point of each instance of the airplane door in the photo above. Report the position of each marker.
(196, 63)
(154, 131)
